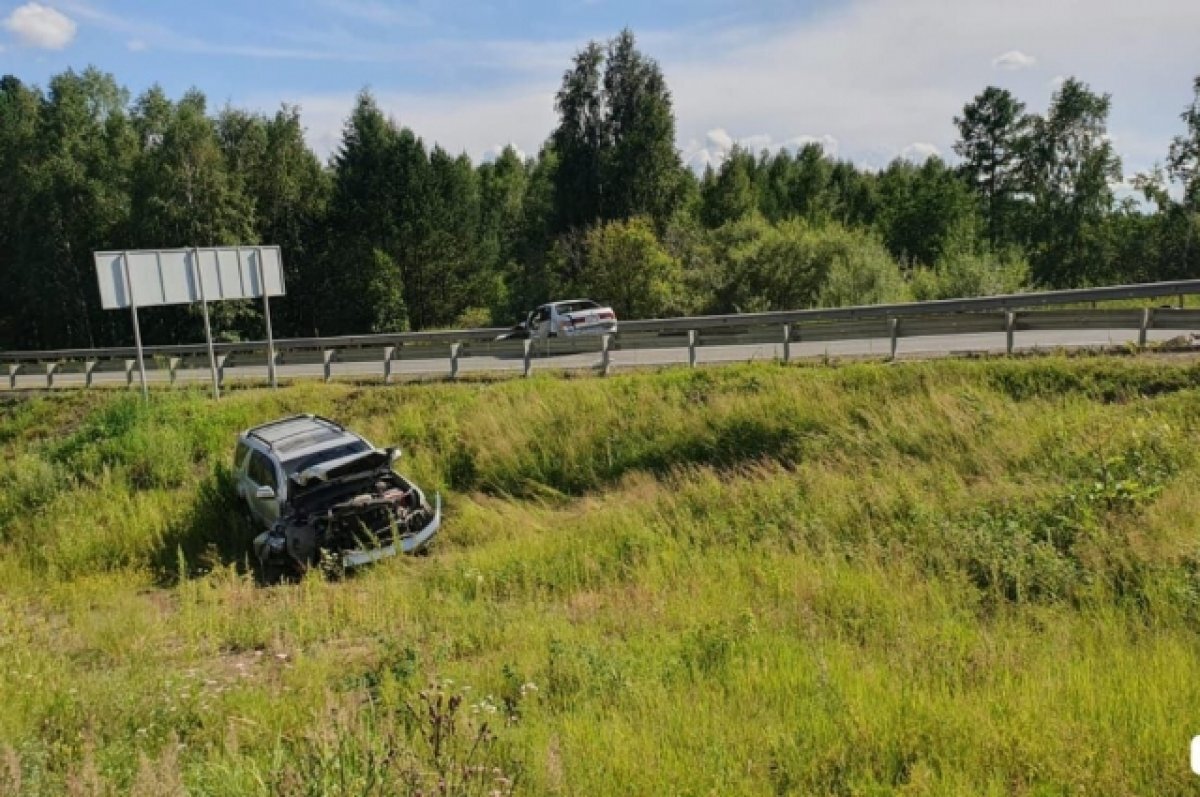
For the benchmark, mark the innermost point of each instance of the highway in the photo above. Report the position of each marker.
(925, 346)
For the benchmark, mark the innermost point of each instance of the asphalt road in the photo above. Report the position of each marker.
(933, 345)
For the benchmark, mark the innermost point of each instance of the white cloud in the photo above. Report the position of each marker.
(498, 150)
(719, 139)
(926, 64)
(718, 142)
(136, 45)
(458, 123)
(336, 45)
(827, 142)
(37, 25)
(920, 151)
(770, 84)
(699, 158)
(1014, 60)
(756, 143)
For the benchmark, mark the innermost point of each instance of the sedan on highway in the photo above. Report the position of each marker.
(565, 318)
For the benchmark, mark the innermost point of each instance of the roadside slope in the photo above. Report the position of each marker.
(946, 577)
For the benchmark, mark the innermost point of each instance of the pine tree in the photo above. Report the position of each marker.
(640, 166)
(729, 194)
(579, 142)
(78, 202)
(354, 283)
(993, 132)
(290, 190)
(19, 111)
(922, 208)
(615, 140)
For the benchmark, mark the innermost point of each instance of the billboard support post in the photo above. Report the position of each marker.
(267, 315)
(262, 279)
(212, 357)
(137, 331)
(188, 275)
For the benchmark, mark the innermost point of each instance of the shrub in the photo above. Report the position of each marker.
(624, 264)
(963, 273)
(795, 264)
(860, 271)
(473, 318)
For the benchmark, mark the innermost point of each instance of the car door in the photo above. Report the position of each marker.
(240, 465)
(262, 473)
(541, 322)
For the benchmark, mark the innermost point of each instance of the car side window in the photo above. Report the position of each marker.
(543, 314)
(261, 471)
(239, 454)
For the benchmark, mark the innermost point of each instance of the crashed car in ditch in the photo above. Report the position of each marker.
(565, 318)
(324, 494)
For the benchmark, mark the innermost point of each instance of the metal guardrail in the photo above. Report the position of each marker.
(1010, 301)
(1008, 313)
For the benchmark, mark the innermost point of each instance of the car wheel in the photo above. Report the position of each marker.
(273, 572)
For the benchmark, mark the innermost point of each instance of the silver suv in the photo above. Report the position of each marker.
(323, 492)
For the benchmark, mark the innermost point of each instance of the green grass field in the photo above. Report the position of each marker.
(956, 577)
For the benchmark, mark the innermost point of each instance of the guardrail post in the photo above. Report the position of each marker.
(327, 356)
(894, 327)
(528, 357)
(129, 366)
(173, 368)
(1010, 326)
(221, 360)
(692, 348)
(455, 351)
(388, 351)
(605, 354)
(13, 370)
(1147, 321)
(787, 342)
(50, 369)
(89, 370)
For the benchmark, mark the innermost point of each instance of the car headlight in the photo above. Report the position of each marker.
(276, 540)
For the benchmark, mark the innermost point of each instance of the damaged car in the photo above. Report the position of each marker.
(324, 494)
(565, 318)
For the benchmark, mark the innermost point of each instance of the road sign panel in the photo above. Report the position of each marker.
(183, 276)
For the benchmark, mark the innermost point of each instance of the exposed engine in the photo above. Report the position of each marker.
(370, 518)
(362, 514)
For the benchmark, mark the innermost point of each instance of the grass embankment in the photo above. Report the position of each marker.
(933, 578)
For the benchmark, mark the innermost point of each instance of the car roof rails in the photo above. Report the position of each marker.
(270, 443)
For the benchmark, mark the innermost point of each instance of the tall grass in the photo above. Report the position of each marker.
(935, 578)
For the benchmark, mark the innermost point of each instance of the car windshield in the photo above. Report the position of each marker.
(300, 464)
(575, 307)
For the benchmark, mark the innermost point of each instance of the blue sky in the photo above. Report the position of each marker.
(872, 79)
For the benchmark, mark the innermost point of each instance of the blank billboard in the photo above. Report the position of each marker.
(176, 276)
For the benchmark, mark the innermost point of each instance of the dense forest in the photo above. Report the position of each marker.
(392, 234)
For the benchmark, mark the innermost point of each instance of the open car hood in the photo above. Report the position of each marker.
(364, 464)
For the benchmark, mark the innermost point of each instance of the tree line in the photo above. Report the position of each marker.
(392, 234)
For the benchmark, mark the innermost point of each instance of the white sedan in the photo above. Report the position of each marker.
(569, 317)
